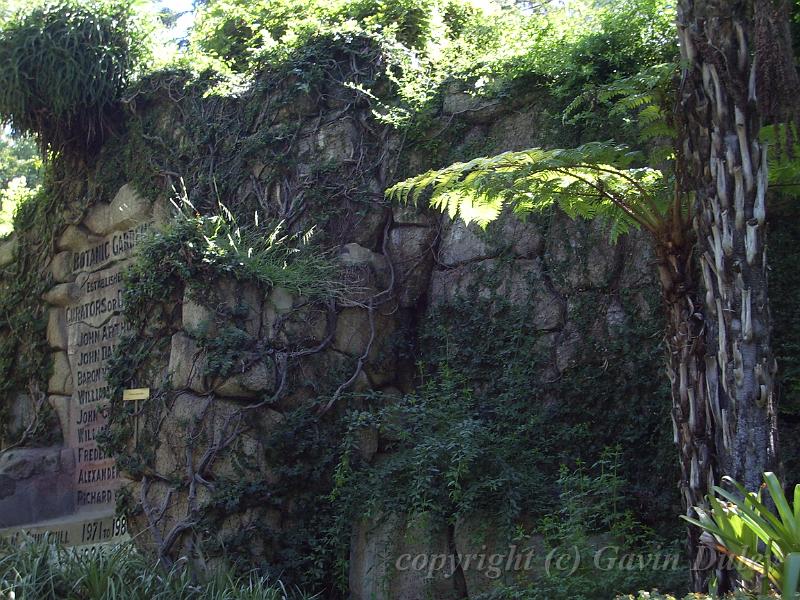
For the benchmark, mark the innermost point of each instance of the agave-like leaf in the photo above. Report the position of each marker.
(744, 520)
(764, 523)
(791, 576)
(784, 510)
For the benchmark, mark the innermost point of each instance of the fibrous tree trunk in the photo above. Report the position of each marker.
(692, 422)
(727, 172)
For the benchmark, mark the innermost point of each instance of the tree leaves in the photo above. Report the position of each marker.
(595, 180)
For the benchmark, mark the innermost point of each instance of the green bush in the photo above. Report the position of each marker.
(63, 67)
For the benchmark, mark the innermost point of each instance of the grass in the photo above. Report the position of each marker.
(46, 571)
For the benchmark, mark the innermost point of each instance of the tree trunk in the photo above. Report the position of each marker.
(693, 425)
(727, 171)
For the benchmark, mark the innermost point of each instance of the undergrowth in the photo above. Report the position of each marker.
(46, 571)
(24, 351)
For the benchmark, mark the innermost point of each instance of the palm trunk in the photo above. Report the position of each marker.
(692, 422)
(727, 170)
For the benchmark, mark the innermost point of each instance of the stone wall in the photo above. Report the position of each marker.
(75, 484)
(203, 434)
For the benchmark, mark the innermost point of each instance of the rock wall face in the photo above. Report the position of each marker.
(70, 490)
(234, 453)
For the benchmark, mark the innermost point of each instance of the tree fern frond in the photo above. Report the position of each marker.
(596, 180)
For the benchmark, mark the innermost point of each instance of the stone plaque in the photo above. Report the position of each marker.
(69, 492)
(94, 325)
(76, 532)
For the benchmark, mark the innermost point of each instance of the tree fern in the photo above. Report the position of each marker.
(597, 180)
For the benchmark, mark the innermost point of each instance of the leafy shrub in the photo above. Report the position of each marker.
(409, 21)
(478, 438)
(16, 194)
(238, 33)
(233, 31)
(591, 527)
(63, 67)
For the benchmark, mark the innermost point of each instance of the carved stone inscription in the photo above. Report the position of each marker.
(90, 532)
(94, 326)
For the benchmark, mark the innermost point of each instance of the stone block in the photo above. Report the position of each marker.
(353, 332)
(127, 209)
(187, 364)
(257, 380)
(383, 565)
(8, 251)
(579, 254)
(74, 238)
(335, 142)
(411, 251)
(57, 329)
(34, 486)
(461, 243)
(491, 558)
(62, 294)
(244, 301)
(410, 214)
(62, 406)
(60, 381)
(471, 107)
(61, 267)
(353, 255)
(196, 317)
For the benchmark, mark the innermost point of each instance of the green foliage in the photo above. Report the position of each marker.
(495, 50)
(233, 31)
(304, 453)
(594, 180)
(641, 102)
(46, 571)
(19, 157)
(24, 352)
(242, 34)
(63, 67)
(20, 174)
(301, 454)
(590, 503)
(409, 21)
(576, 45)
(475, 439)
(195, 248)
(16, 195)
(598, 540)
(618, 39)
(784, 261)
(763, 541)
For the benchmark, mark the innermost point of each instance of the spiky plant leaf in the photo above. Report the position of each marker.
(762, 542)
